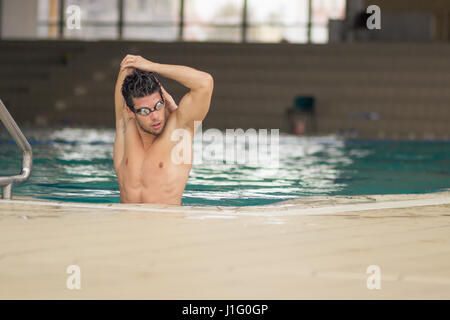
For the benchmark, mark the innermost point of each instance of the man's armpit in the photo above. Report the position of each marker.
(120, 126)
(123, 123)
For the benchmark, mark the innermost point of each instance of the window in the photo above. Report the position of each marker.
(218, 20)
(322, 11)
(48, 17)
(275, 21)
(297, 21)
(151, 19)
(98, 19)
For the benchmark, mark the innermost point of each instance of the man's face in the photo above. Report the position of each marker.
(154, 122)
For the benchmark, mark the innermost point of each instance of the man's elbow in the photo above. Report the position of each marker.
(207, 82)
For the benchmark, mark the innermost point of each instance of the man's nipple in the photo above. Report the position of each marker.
(161, 165)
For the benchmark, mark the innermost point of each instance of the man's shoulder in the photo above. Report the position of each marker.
(175, 127)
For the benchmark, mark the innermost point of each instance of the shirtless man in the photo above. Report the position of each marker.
(146, 117)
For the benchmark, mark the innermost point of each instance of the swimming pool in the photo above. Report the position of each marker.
(75, 164)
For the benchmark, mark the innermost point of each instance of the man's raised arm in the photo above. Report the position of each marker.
(195, 104)
(118, 98)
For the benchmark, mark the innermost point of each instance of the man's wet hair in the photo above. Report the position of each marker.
(139, 84)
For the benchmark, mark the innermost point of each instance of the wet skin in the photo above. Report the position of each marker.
(144, 147)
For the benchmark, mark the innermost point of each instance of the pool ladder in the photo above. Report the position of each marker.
(6, 182)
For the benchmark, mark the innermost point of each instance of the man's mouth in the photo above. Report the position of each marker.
(157, 125)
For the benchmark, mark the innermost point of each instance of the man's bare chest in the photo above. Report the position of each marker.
(157, 168)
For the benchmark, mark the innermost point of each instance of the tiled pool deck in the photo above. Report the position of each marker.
(308, 248)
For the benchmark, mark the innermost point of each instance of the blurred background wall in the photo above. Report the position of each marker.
(18, 19)
(389, 84)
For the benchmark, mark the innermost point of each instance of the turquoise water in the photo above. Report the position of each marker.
(76, 165)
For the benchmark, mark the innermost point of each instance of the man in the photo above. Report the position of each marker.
(146, 117)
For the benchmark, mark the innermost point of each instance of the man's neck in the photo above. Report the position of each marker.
(146, 138)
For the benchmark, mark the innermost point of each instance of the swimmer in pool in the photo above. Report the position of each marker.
(146, 117)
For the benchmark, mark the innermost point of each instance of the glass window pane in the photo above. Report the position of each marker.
(323, 10)
(98, 10)
(277, 34)
(287, 12)
(152, 11)
(47, 31)
(48, 10)
(91, 32)
(217, 11)
(47, 25)
(295, 34)
(151, 33)
(319, 34)
(205, 33)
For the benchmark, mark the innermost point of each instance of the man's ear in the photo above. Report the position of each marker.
(130, 113)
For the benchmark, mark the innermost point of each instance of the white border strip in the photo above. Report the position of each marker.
(368, 206)
(241, 211)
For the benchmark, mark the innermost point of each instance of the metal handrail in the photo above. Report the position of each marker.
(6, 182)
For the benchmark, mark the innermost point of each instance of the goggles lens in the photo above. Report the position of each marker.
(146, 111)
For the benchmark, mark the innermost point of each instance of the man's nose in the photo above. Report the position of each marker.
(154, 115)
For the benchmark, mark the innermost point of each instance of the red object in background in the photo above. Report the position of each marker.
(299, 128)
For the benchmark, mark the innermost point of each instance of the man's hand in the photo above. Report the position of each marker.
(195, 104)
(170, 103)
(136, 62)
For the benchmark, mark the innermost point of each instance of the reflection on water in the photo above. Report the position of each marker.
(77, 165)
(303, 170)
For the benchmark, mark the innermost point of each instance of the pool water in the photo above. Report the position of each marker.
(76, 165)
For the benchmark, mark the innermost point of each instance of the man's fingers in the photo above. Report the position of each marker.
(166, 94)
(164, 90)
(127, 64)
(128, 59)
(168, 97)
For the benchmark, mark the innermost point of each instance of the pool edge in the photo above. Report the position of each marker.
(297, 206)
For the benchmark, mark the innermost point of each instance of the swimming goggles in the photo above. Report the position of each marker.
(145, 111)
